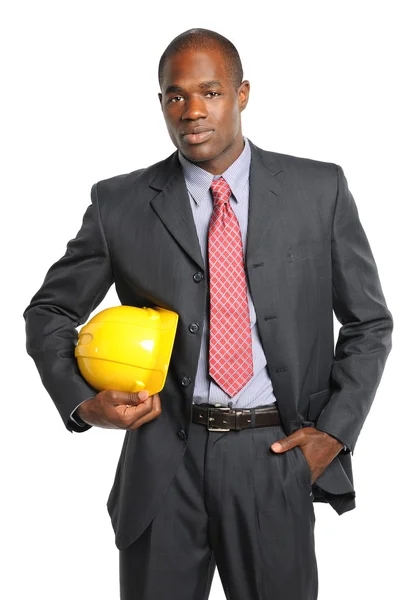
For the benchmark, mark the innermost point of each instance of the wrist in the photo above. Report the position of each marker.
(78, 418)
(82, 410)
(334, 442)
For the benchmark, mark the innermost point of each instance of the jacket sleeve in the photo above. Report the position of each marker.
(365, 337)
(73, 287)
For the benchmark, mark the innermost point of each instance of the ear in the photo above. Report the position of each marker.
(243, 94)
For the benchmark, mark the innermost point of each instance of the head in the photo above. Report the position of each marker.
(202, 97)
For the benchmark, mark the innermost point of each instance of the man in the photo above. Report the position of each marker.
(259, 415)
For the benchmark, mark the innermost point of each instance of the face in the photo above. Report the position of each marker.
(201, 108)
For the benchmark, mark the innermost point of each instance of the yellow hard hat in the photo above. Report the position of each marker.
(127, 348)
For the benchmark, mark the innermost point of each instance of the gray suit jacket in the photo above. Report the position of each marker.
(306, 256)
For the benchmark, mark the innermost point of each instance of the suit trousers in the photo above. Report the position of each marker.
(234, 504)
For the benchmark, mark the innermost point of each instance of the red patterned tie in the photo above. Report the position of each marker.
(231, 357)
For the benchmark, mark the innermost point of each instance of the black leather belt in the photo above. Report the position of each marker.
(225, 418)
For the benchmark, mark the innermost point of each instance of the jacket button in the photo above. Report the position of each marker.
(198, 277)
(194, 327)
(186, 381)
(182, 434)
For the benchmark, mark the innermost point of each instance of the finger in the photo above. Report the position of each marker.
(136, 398)
(116, 397)
(130, 413)
(143, 395)
(124, 414)
(286, 443)
(156, 411)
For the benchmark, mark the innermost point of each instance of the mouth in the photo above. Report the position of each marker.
(197, 135)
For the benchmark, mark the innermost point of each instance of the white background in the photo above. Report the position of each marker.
(79, 105)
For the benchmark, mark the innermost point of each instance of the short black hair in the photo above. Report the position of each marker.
(204, 39)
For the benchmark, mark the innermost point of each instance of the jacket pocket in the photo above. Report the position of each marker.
(308, 248)
(318, 401)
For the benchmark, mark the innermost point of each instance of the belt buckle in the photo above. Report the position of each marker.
(209, 418)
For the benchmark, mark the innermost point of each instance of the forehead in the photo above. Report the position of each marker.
(190, 67)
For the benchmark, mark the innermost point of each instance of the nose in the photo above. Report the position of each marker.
(195, 109)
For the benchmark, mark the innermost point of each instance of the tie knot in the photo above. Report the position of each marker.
(220, 190)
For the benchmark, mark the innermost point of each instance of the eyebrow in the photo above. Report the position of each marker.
(203, 84)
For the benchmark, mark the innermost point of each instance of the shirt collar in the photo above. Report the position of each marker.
(198, 181)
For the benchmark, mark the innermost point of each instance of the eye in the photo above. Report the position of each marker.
(175, 99)
(215, 94)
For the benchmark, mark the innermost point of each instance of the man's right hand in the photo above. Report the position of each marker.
(120, 410)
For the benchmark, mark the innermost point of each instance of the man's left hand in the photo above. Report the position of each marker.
(319, 448)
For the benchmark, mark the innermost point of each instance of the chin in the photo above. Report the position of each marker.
(198, 152)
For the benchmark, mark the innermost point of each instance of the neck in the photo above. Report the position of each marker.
(218, 165)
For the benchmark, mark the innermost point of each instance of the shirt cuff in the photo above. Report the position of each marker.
(76, 418)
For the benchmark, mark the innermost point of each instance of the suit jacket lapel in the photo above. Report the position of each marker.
(265, 200)
(173, 207)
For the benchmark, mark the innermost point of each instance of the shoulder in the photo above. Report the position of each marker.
(294, 165)
(117, 185)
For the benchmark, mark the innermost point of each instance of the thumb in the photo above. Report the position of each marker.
(284, 444)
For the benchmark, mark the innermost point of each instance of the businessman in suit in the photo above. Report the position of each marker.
(260, 414)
